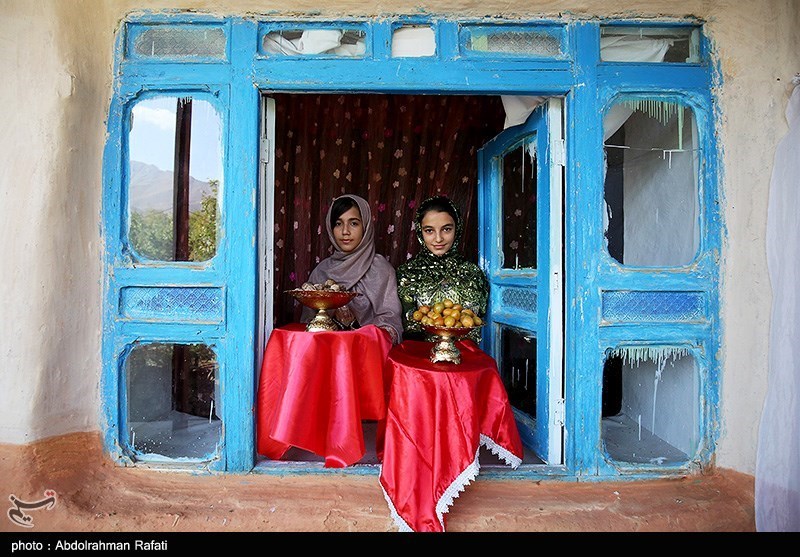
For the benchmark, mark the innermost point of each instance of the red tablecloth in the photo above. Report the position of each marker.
(438, 417)
(316, 387)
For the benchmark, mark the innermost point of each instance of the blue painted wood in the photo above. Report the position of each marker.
(399, 75)
(126, 270)
(534, 280)
(669, 333)
(589, 87)
(583, 229)
(109, 378)
(153, 329)
(172, 75)
(239, 217)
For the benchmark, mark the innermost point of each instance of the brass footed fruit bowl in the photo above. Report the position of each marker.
(444, 347)
(322, 301)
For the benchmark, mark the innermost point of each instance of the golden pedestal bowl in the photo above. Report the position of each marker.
(322, 301)
(444, 347)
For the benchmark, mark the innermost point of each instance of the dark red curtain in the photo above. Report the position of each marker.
(393, 150)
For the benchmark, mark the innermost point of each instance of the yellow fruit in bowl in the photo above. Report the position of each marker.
(446, 313)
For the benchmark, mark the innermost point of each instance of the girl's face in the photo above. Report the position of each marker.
(438, 232)
(348, 230)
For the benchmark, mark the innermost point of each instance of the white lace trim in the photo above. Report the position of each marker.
(401, 524)
(458, 485)
(501, 452)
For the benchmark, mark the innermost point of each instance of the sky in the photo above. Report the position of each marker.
(152, 138)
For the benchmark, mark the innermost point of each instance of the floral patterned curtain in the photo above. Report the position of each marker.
(393, 150)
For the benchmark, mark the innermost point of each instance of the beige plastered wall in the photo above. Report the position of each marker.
(56, 59)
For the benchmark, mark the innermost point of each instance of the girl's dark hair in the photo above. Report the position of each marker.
(340, 206)
(439, 204)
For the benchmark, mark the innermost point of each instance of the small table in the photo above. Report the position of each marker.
(438, 417)
(315, 389)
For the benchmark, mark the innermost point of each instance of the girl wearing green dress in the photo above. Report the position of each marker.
(439, 271)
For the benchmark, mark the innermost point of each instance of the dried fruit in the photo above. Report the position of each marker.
(329, 285)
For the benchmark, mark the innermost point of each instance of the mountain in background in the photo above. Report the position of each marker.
(151, 188)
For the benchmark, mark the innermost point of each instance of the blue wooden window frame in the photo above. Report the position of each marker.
(588, 86)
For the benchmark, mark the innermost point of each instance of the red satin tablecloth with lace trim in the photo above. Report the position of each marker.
(439, 415)
(315, 389)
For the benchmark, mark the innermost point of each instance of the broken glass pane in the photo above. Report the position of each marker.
(315, 42)
(173, 401)
(651, 410)
(413, 41)
(651, 183)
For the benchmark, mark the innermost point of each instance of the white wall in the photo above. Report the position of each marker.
(53, 100)
(56, 62)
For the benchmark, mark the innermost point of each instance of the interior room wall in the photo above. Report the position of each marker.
(662, 396)
(659, 194)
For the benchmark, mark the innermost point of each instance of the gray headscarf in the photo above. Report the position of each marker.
(349, 268)
(365, 272)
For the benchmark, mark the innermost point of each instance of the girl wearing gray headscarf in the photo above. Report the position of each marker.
(357, 268)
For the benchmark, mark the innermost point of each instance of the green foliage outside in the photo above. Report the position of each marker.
(151, 232)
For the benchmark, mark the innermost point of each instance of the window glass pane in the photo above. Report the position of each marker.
(649, 44)
(651, 183)
(413, 41)
(651, 405)
(173, 395)
(517, 367)
(175, 177)
(315, 42)
(177, 42)
(505, 40)
(519, 206)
